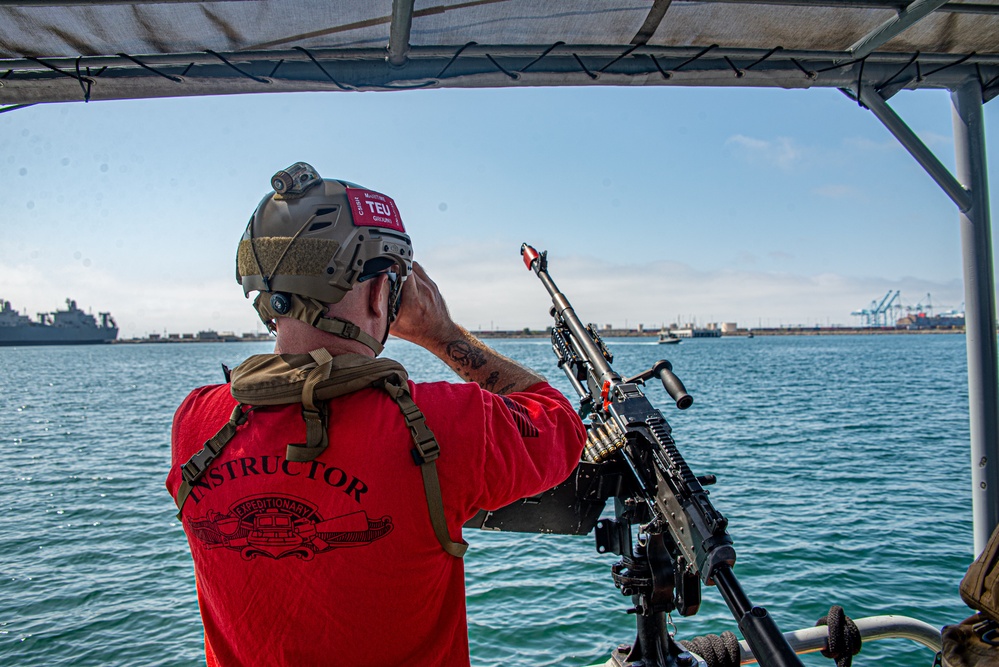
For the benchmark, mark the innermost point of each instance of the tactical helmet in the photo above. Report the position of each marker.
(314, 239)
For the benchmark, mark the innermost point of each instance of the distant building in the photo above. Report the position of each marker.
(922, 321)
(696, 333)
(729, 327)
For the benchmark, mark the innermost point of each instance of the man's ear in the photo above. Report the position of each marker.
(378, 295)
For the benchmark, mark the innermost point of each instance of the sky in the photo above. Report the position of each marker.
(656, 205)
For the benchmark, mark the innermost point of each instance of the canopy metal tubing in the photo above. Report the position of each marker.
(969, 191)
(811, 640)
(951, 7)
(471, 66)
(884, 33)
(937, 171)
(980, 310)
(400, 31)
(528, 51)
(955, 7)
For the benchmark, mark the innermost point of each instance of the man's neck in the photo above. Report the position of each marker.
(295, 337)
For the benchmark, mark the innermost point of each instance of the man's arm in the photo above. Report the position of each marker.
(424, 319)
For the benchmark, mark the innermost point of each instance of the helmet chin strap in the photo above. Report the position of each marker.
(311, 311)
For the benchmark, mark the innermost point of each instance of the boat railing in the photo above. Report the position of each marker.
(814, 639)
(810, 640)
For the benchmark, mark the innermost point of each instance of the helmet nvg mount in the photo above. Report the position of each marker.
(311, 240)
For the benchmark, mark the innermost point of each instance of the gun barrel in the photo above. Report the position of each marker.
(602, 372)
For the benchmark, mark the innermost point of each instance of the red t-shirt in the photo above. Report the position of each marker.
(335, 561)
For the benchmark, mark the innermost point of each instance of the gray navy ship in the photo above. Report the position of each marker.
(63, 327)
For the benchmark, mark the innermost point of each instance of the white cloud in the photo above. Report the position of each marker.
(781, 151)
(487, 286)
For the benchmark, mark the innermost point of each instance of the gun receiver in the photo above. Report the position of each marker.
(683, 540)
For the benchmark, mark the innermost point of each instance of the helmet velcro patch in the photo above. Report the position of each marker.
(304, 257)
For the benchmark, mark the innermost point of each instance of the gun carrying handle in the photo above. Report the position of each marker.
(674, 387)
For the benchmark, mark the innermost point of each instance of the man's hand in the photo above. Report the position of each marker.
(423, 315)
(424, 319)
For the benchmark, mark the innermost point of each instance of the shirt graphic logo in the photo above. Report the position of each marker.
(522, 417)
(277, 526)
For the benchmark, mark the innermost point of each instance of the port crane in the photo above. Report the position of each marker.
(923, 308)
(878, 315)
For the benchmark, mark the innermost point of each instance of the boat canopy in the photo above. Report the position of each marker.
(54, 51)
(110, 49)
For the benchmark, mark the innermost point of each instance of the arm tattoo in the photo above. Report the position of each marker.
(489, 384)
(507, 389)
(465, 355)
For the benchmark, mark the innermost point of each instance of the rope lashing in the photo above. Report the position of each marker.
(321, 68)
(583, 66)
(738, 72)
(512, 75)
(170, 77)
(943, 67)
(627, 52)
(807, 72)
(906, 66)
(234, 67)
(85, 82)
(844, 638)
(538, 59)
(686, 62)
(454, 57)
(767, 55)
(666, 75)
(716, 650)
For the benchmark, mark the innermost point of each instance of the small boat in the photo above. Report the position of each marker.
(668, 338)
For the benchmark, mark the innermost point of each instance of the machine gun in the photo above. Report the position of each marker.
(630, 455)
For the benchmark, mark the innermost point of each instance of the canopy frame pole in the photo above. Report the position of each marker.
(980, 309)
(400, 31)
(893, 27)
(871, 99)
(969, 191)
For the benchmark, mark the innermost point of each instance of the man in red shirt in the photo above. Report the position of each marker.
(328, 554)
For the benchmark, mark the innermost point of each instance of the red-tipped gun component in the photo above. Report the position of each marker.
(530, 255)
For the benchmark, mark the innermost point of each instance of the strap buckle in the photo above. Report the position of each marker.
(350, 330)
(426, 450)
(197, 464)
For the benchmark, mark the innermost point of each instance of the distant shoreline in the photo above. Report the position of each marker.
(535, 333)
(738, 333)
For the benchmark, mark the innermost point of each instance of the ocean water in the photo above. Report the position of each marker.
(842, 464)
